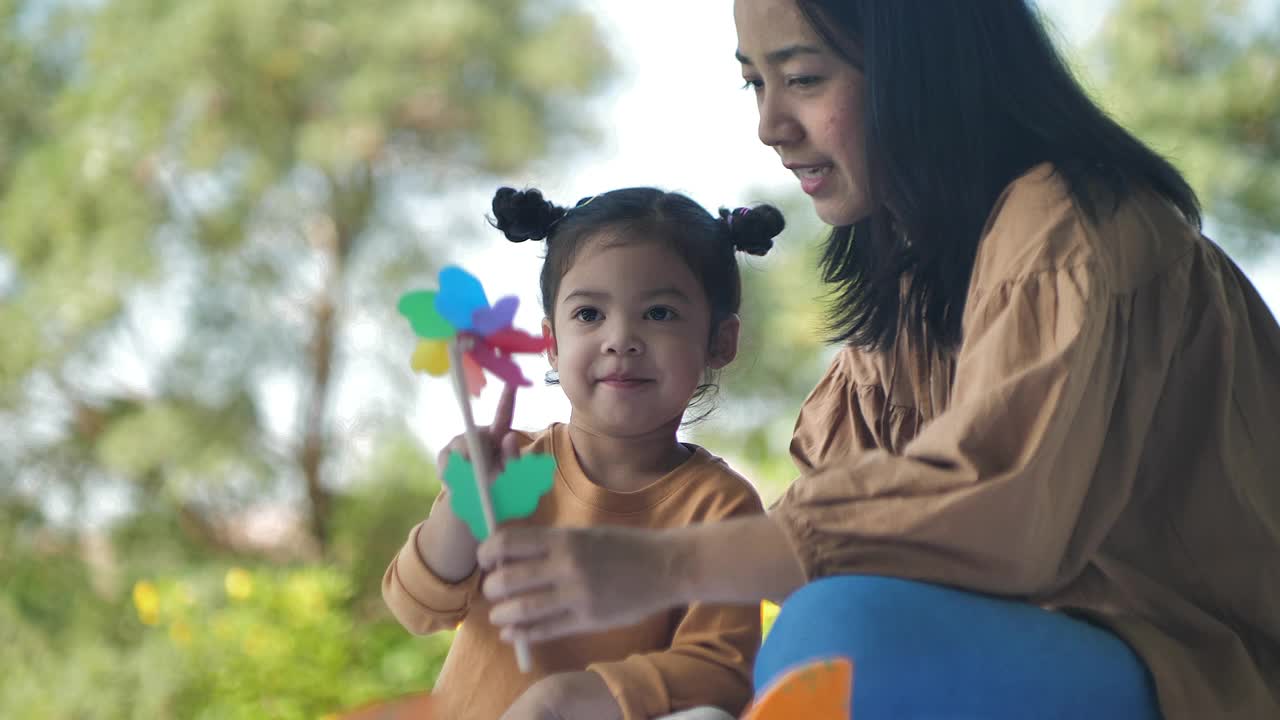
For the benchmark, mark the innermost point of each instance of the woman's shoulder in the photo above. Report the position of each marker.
(1034, 227)
(1038, 226)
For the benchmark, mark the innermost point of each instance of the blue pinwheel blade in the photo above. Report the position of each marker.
(460, 296)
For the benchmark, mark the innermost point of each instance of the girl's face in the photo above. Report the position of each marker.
(811, 105)
(630, 339)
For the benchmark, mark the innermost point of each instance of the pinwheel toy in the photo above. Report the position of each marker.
(460, 312)
(462, 335)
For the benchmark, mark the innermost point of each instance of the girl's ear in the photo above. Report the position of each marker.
(553, 352)
(724, 345)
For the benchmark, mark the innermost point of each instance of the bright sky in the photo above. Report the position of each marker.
(678, 119)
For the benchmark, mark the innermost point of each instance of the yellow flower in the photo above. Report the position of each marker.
(239, 584)
(180, 633)
(146, 600)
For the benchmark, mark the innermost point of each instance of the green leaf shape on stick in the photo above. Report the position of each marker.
(514, 494)
(420, 308)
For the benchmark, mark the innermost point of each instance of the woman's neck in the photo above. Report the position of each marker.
(627, 464)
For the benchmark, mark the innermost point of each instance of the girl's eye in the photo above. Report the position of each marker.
(661, 314)
(803, 81)
(586, 314)
(752, 84)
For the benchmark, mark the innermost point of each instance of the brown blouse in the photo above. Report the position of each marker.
(1106, 441)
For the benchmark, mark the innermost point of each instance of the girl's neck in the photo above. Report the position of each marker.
(627, 464)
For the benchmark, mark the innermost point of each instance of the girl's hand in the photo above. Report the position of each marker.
(497, 438)
(445, 542)
(547, 583)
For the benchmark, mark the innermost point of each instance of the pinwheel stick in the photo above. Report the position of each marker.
(479, 462)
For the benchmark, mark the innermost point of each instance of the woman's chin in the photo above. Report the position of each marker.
(841, 211)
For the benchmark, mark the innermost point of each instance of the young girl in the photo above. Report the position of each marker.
(641, 292)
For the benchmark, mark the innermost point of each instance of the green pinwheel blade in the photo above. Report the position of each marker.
(427, 322)
(515, 494)
(464, 499)
(522, 483)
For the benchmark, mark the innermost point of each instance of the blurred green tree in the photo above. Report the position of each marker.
(202, 199)
(1200, 81)
(782, 352)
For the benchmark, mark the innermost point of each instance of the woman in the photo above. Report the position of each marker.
(1041, 479)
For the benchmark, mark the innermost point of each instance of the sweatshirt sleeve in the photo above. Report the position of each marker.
(998, 493)
(709, 661)
(420, 600)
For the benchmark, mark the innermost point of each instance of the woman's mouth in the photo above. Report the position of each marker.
(812, 177)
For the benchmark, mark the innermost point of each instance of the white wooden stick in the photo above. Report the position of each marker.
(480, 464)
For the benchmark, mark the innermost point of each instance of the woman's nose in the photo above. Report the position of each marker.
(777, 126)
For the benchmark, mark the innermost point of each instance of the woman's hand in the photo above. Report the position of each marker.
(566, 696)
(547, 583)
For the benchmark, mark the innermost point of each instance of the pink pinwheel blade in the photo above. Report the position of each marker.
(510, 340)
(483, 354)
(487, 320)
(474, 375)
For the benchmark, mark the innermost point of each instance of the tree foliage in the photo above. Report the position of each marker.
(203, 200)
(1200, 81)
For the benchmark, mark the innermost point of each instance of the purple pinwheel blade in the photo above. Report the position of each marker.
(486, 321)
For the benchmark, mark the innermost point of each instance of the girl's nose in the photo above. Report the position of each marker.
(623, 340)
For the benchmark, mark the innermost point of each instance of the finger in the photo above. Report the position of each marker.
(527, 609)
(510, 447)
(456, 445)
(510, 580)
(506, 410)
(513, 544)
(551, 627)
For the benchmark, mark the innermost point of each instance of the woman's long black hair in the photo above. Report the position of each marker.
(963, 96)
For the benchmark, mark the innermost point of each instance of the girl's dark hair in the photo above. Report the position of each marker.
(705, 242)
(962, 97)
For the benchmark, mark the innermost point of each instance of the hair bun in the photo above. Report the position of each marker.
(524, 214)
(752, 229)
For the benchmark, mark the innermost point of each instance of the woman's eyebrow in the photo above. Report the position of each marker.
(781, 55)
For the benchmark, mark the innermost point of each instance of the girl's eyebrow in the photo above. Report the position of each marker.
(648, 295)
(587, 295)
(667, 291)
(781, 55)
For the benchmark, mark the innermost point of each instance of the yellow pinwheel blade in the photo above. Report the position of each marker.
(431, 357)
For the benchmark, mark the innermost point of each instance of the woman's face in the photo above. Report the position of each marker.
(811, 106)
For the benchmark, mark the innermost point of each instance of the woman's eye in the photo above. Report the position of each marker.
(661, 314)
(752, 84)
(586, 314)
(803, 81)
